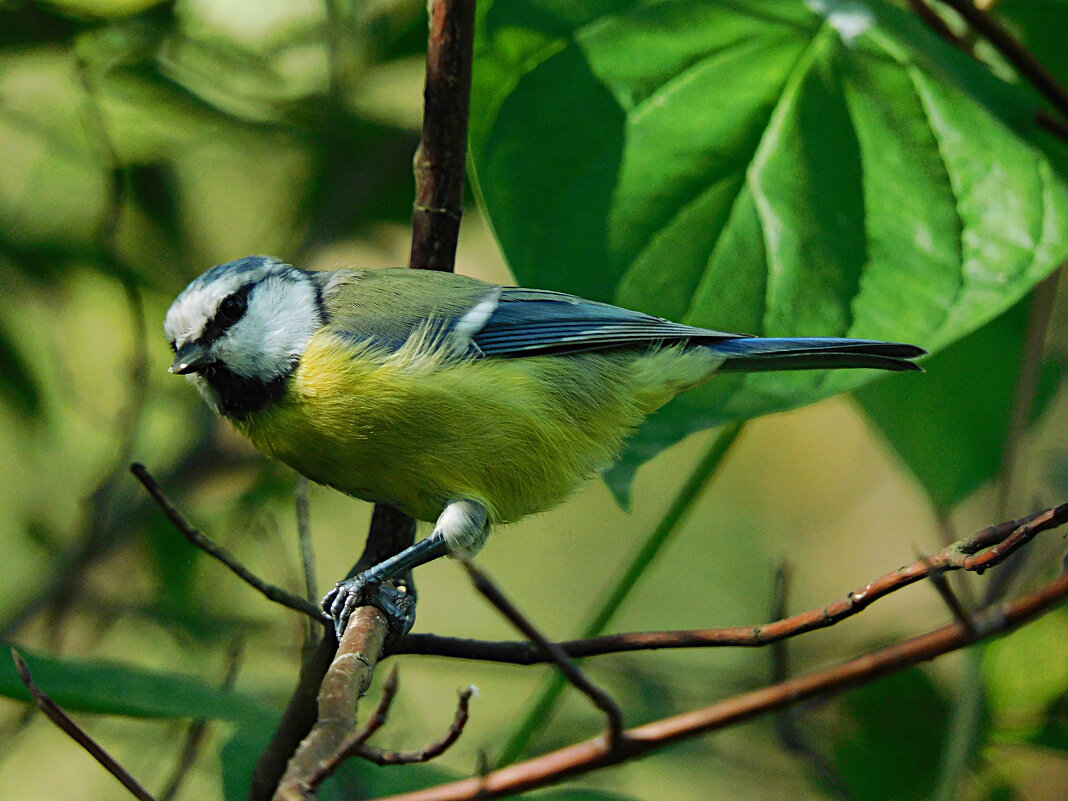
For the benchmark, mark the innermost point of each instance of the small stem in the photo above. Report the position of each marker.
(425, 754)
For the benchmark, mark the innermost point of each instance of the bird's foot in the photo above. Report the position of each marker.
(397, 604)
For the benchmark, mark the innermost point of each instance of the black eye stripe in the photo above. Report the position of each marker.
(226, 317)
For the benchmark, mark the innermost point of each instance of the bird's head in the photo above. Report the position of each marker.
(240, 329)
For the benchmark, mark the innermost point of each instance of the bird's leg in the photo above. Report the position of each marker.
(461, 527)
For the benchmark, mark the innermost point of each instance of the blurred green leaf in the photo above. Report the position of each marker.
(112, 688)
(1026, 671)
(194, 622)
(259, 72)
(173, 559)
(1001, 792)
(55, 186)
(359, 779)
(34, 23)
(104, 9)
(17, 384)
(760, 168)
(889, 747)
(154, 187)
(363, 175)
(238, 757)
(953, 433)
(1054, 731)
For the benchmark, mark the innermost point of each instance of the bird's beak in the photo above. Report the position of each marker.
(190, 358)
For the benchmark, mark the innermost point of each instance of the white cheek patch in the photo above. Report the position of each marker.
(272, 335)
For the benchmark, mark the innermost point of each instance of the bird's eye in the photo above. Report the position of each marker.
(232, 308)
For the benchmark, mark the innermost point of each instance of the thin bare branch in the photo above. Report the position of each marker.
(923, 10)
(984, 549)
(312, 630)
(788, 719)
(198, 539)
(1019, 56)
(355, 744)
(304, 539)
(591, 755)
(56, 714)
(554, 653)
(432, 751)
(1026, 391)
(938, 579)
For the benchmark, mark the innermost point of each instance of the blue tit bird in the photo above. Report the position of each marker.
(459, 402)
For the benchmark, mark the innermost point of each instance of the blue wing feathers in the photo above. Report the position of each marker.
(531, 322)
(538, 321)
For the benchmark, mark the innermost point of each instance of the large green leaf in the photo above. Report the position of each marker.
(759, 167)
(953, 434)
(117, 689)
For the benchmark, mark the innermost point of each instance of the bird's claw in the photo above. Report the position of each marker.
(347, 595)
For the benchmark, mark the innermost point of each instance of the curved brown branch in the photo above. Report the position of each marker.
(435, 749)
(594, 754)
(984, 549)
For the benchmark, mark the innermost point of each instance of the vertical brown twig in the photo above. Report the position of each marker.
(439, 167)
(441, 158)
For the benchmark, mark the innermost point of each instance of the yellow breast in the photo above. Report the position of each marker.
(416, 429)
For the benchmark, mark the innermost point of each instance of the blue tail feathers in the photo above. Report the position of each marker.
(759, 354)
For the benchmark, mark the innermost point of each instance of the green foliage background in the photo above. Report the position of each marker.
(781, 168)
